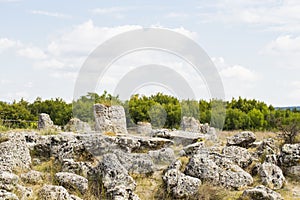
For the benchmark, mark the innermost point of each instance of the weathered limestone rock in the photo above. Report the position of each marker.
(144, 128)
(179, 184)
(242, 139)
(79, 168)
(162, 156)
(25, 192)
(267, 147)
(116, 181)
(193, 148)
(7, 195)
(14, 153)
(218, 170)
(110, 119)
(45, 122)
(32, 177)
(137, 163)
(8, 181)
(190, 124)
(50, 192)
(72, 182)
(290, 155)
(76, 125)
(261, 192)
(271, 176)
(238, 155)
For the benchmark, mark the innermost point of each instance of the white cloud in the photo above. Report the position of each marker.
(50, 14)
(110, 10)
(239, 72)
(6, 43)
(32, 53)
(284, 51)
(268, 15)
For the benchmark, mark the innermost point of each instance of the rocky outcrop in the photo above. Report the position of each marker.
(261, 192)
(45, 122)
(72, 182)
(290, 155)
(137, 163)
(271, 176)
(267, 147)
(79, 168)
(190, 124)
(238, 155)
(32, 177)
(50, 192)
(242, 139)
(7, 195)
(78, 126)
(179, 184)
(8, 181)
(144, 128)
(110, 119)
(192, 149)
(163, 156)
(218, 170)
(115, 179)
(14, 153)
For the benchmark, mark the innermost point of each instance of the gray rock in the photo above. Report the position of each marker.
(79, 168)
(8, 181)
(190, 124)
(261, 192)
(193, 148)
(242, 139)
(290, 155)
(218, 170)
(163, 133)
(162, 156)
(76, 125)
(14, 153)
(24, 192)
(110, 119)
(32, 177)
(179, 184)
(7, 195)
(271, 176)
(45, 123)
(137, 163)
(115, 179)
(238, 155)
(50, 192)
(72, 182)
(267, 147)
(144, 128)
(293, 172)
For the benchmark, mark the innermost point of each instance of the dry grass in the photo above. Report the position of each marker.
(110, 133)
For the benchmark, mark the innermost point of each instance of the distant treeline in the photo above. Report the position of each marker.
(159, 109)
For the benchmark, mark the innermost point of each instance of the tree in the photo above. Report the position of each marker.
(289, 128)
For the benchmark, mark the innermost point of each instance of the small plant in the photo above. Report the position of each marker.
(3, 138)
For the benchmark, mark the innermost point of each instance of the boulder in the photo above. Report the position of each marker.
(14, 153)
(193, 148)
(242, 139)
(79, 168)
(32, 177)
(137, 163)
(290, 155)
(218, 170)
(144, 128)
(110, 119)
(261, 192)
(163, 156)
(25, 193)
(45, 122)
(50, 192)
(72, 182)
(179, 184)
(115, 179)
(238, 155)
(267, 147)
(76, 125)
(7, 195)
(190, 124)
(271, 176)
(8, 181)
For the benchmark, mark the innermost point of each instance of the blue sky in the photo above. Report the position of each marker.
(254, 44)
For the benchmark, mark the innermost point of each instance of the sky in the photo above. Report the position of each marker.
(254, 44)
